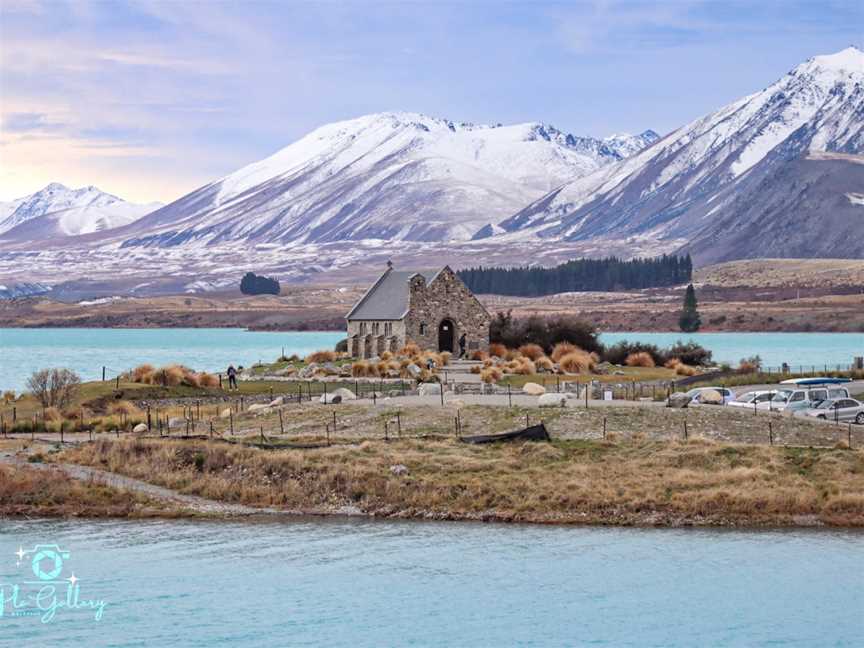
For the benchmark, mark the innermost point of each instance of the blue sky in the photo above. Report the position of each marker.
(150, 100)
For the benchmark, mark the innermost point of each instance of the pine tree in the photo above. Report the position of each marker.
(689, 321)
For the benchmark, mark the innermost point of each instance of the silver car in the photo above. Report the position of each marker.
(839, 409)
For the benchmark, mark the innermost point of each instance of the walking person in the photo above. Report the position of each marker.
(232, 377)
(462, 343)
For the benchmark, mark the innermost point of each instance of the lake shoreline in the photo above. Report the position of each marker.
(623, 483)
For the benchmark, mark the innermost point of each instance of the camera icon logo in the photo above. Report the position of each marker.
(47, 562)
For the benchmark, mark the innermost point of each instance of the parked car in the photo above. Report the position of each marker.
(696, 394)
(839, 409)
(751, 398)
(798, 400)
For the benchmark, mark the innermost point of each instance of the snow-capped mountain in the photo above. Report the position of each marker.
(58, 210)
(748, 180)
(392, 176)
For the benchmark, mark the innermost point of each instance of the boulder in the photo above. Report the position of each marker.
(330, 399)
(276, 402)
(551, 400)
(678, 400)
(711, 397)
(225, 413)
(533, 389)
(399, 469)
(345, 394)
(255, 408)
(413, 370)
(287, 371)
(429, 389)
(141, 428)
(330, 368)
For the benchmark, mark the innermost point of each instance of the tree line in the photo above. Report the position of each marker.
(579, 275)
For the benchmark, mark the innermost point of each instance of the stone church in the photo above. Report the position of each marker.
(431, 309)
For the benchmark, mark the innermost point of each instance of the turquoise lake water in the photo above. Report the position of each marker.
(334, 583)
(23, 351)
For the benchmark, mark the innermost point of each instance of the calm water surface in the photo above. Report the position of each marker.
(22, 351)
(360, 583)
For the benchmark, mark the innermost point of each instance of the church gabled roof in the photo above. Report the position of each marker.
(387, 299)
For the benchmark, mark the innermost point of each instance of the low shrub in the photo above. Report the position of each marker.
(341, 346)
(640, 359)
(750, 365)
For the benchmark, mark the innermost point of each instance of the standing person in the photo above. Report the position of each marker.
(232, 377)
(462, 343)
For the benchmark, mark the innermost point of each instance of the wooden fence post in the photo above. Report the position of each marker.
(281, 423)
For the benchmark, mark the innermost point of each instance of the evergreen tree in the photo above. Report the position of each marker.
(689, 321)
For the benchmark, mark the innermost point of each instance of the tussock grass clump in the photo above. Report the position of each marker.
(387, 355)
(532, 351)
(207, 380)
(525, 367)
(8, 396)
(359, 368)
(478, 355)
(498, 350)
(476, 369)
(410, 350)
(143, 373)
(543, 363)
(562, 349)
(672, 363)
(640, 359)
(444, 358)
(491, 375)
(577, 361)
(320, 357)
(685, 370)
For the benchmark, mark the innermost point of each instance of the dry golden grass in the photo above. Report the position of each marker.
(577, 361)
(479, 355)
(476, 369)
(124, 407)
(512, 354)
(640, 359)
(359, 368)
(387, 355)
(320, 357)
(672, 363)
(532, 351)
(561, 349)
(207, 380)
(31, 492)
(445, 357)
(682, 369)
(491, 375)
(496, 349)
(635, 481)
(525, 367)
(410, 350)
(544, 364)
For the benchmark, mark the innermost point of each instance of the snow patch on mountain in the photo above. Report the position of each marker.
(59, 210)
